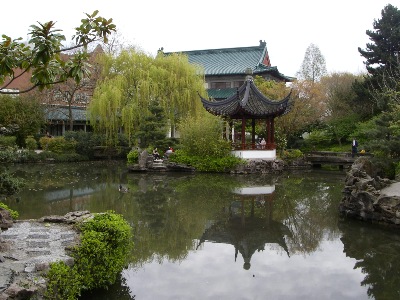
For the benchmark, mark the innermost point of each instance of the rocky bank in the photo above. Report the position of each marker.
(368, 197)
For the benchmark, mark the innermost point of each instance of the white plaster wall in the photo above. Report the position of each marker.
(255, 154)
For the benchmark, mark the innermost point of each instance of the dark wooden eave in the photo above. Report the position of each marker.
(248, 102)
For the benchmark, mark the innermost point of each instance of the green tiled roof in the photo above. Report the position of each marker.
(61, 113)
(227, 61)
(234, 61)
(221, 93)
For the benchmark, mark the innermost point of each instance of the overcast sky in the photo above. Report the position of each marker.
(288, 27)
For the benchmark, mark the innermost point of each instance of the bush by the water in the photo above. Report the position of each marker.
(14, 214)
(206, 163)
(9, 185)
(106, 242)
(133, 156)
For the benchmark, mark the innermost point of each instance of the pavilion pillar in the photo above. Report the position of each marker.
(268, 129)
(243, 133)
(232, 132)
(272, 132)
(253, 133)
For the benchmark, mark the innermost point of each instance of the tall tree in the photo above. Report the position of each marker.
(132, 80)
(22, 116)
(41, 56)
(382, 56)
(313, 66)
(383, 52)
(341, 115)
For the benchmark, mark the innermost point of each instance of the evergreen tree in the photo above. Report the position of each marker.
(382, 63)
(153, 130)
(382, 54)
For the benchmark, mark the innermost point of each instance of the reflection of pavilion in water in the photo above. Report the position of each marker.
(250, 225)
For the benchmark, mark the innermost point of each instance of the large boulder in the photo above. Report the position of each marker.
(364, 195)
(6, 221)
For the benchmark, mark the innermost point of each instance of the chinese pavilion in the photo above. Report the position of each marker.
(248, 103)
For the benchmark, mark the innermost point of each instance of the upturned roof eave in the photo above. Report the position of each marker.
(237, 107)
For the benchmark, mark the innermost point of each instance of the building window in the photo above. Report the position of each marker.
(220, 85)
(237, 84)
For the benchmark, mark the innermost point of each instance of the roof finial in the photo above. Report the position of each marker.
(263, 43)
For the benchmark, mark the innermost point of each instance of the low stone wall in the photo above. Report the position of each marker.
(363, 198)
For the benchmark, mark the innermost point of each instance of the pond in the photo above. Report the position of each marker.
(221, 236)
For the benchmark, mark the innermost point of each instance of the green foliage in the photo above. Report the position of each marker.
(382, 52)
(290, 154)
(106, 241)
(21, 116)
(14, 214)
(201, 136)
(23, 156)
(63, 282)
(380, 87)
(379, 137)
(153, 130)
(7, 141)
(206, 163)
(133, 81)
(10, 185)
(31, 143)
(41, 55)
(318, 140)
(133, 156)
(105, 245)
(58, 145)
(341, 128)
(85, 142)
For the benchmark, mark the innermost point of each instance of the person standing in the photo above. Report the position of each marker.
(354, 146)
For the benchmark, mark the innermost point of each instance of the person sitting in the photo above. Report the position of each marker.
(156, 155)
(169, 152)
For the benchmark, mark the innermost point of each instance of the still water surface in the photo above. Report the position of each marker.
(219, 236)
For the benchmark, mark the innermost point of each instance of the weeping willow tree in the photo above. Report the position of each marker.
(132, 81)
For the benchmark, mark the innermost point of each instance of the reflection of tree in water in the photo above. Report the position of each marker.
(309, 208)
(172, 211)
(378, 256)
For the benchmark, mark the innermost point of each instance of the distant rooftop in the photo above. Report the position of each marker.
(235, 61)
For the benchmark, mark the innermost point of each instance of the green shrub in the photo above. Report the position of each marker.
(31, 143)
(63, 282)
(133, 156)
(85, 142)
(206, 163)
(43, 142)
(8, 156)
(58, 144)
(14, 214)
(10, 185)
(292, 154)
(8, 141)
(106, 242)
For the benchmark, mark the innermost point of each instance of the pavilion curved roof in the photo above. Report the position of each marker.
(248, 102)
